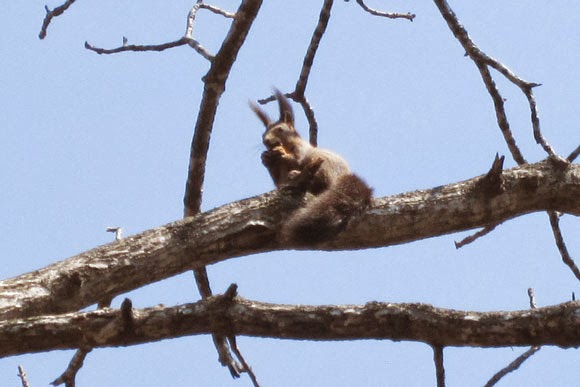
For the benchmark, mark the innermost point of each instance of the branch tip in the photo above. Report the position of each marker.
(231, 292)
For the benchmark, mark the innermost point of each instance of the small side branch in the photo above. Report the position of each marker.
(490, 185)
(482, 61)
(22, 376)
(68, 377)
(245, 365)
(574, 154)
(391, 15)
(154, 47)
(187, 39)
(52, 14)
(566, 258)
(319, 31)
(439, 366)
(472, 238)
(514, 365)
(298, 95)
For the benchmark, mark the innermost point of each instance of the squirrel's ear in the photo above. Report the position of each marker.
(286, 114)
(260, 113)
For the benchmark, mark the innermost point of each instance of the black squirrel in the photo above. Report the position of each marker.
(337, 195)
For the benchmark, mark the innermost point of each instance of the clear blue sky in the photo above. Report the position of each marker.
(92, 141)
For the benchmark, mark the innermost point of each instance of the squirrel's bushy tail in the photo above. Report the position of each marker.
(327, 214)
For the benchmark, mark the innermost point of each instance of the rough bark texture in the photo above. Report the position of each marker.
(556, 325)
(249, 226)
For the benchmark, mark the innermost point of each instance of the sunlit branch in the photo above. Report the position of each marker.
(390, 15)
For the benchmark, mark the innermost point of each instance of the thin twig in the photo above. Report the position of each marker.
(390, 15)
(118, 232)
(187, 39)
(313, 125)
(514, 365)
(319, 31)
(472, 238)
(154, 47)
(246, 367)
(574, 154)
(22, 376)
(439, 367)
(51, 14)
(532, 298)
(298, 94)
(566, 258)
(69, 375)
(482, 62)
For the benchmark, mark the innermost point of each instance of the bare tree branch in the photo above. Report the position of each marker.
(245, 365)
(51, 14)
(298, 94)
(574, 154)
(319, 31)
(69, 376)
(555, 325)
(566, 258)
(214, 86)
(514, 365)
(532, 298)
(155, 47)
(249, 226)
(482, 61)
(492, 183)
(22, 376)
(187, 39)
(390, 15)
(472, 238)
(439, 366)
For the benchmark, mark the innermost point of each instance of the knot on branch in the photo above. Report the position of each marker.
(491, 184)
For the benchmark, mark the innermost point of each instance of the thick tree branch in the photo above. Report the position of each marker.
(249, 226)
(555, 325)
(214, 86)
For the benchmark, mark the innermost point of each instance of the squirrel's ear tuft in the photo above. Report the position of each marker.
(260, 113)
(286, 113)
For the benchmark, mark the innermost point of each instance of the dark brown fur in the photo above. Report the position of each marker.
(291, 161)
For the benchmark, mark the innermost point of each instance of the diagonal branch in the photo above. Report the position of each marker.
(298, 94)
(249, 226)
(214, 86)
(50, 14)
(566, 258)
(390, 15)
(554, 325)
(514, 365)
(482, 61)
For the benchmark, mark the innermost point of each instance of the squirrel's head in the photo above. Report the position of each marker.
(281, 132)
